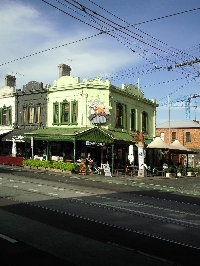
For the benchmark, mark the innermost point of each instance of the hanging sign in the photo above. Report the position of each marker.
(89, 143)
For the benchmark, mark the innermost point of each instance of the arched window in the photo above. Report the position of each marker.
(144, 122)
(119, 115)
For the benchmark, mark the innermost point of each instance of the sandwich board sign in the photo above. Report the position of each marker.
(106, 169)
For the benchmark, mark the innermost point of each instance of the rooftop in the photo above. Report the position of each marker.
(179, 124)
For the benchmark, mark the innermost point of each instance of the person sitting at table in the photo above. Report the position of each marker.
(88, 162)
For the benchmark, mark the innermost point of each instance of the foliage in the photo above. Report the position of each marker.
(49, 164)
(190, 169)
(180, 169)
(170, 170)
(197, 170)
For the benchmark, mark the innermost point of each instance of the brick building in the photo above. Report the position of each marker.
(186, 131)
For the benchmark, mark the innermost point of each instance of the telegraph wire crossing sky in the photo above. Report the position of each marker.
(151, 43)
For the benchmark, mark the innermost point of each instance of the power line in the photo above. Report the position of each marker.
(49, 49)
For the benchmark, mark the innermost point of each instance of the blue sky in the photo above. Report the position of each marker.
(140, 41)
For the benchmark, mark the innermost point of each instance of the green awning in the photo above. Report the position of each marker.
(94, 134)
(147, 141)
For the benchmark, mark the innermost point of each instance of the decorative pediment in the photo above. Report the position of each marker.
(95, 135)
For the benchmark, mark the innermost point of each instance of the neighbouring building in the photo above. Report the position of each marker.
(29, 112)
(7, 112)
(186, 131)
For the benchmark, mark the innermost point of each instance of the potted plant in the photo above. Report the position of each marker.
(190, 171)
(197, 171)
(179, 170)
(170, 171)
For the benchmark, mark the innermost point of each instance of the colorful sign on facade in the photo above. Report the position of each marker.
(99, 112)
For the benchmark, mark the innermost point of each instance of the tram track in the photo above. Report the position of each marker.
(139, 214)
(119, 208)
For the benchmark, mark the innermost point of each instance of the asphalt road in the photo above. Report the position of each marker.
(87, 221)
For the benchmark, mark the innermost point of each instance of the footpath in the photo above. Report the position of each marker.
(185, 185)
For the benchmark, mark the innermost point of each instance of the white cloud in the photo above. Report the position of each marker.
(26, 31)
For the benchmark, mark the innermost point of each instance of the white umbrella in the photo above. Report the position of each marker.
(130, 154)
(176, 145)
(158, 143)
(14, 150)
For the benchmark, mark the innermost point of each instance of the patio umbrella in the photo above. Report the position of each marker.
(158, 143)
(179, 148)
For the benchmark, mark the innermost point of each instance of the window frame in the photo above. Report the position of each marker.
(24, 114)
(62, 113)
(119, 107)
(145, 122)
(187, 137)
(173, 133)
(133, 119)
(56, 121)
(4, 116)
(38, 114)
(74, 116)
(31, 114)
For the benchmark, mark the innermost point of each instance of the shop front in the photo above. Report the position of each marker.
(72, 144)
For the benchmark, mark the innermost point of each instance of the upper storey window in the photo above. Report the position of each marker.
(145, 122)
(119, 115)
(6, 115)
(65, 113)
(74, 112)
(31, 114)
(56, 113)
(65, 109)
(133, 120)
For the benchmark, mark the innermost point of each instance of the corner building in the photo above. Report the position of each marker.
(94, 116)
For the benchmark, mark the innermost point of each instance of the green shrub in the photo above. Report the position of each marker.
(49, 164)
(190, 169)
(68, 166)
(170, 170)
(180, 169)
(46, 164)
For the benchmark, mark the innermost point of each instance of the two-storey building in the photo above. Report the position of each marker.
(7, 112)
(21, 111)
(186, 131)
(94, 116)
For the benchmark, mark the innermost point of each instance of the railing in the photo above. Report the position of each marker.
(11, 160)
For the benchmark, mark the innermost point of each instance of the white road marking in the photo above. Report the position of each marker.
(8, 238)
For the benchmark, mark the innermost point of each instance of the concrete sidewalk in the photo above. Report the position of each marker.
(185, 184)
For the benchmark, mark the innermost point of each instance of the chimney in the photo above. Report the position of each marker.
(10, 81)
(64, 70)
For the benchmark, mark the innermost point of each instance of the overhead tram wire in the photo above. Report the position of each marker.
(90, 14)
(49, 49)
(118, 37)
(182, 52)
(147, 21)
(182, 86)
(116, 24)
(86, 8)
(106, 21)
(178, 51)
(107, 32)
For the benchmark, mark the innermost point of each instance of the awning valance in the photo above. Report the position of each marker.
(16, 134)
(94, 134)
